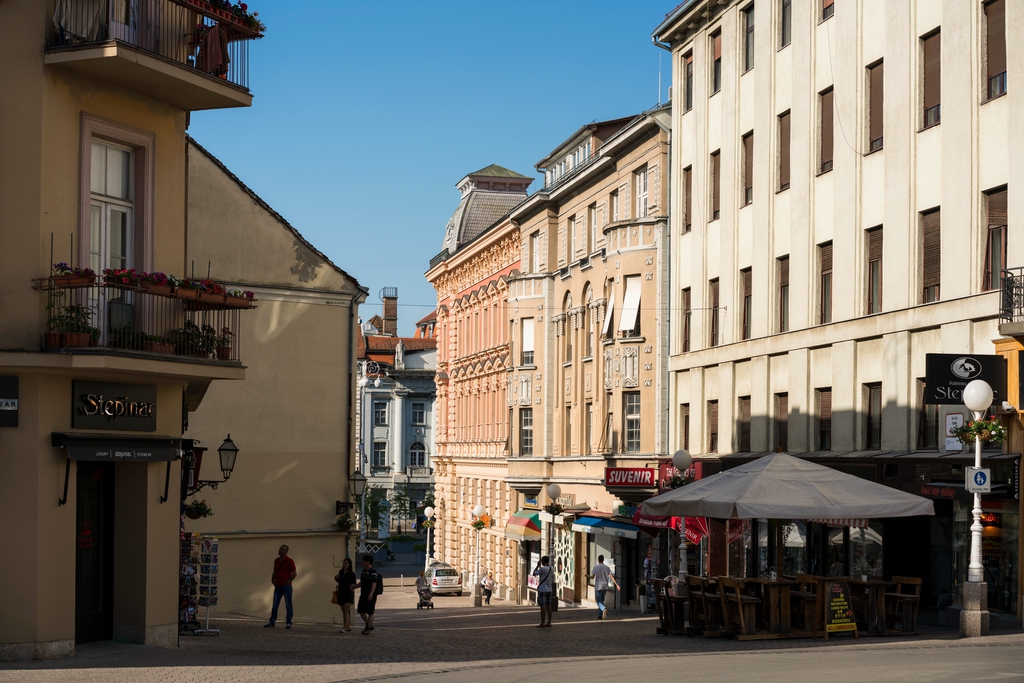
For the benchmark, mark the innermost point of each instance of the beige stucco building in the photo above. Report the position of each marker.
(92, 173)
(586, 389)
(293, 417)
(840, 200)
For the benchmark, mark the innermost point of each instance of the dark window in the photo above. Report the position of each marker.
(380, 412)
(786, 24)
(784, 151)
(631, 414)
(687, 198)
(588, 430)
(716, 169)
(931, 253)
(783, 272)
(713, 328)
(995, 47)
(782, 421)
(932, 48)
(526, 431)
(744, 426)
(824, 397)
(825, 300)
(745, 277)
(685, 419)
(417, 455)
(380, 454)
(874, 298)
(995, 240)
(568, 431)
(873, 431)
(716, 63)
(712, 426)
(828, 8)
(928, 421)
(748, 168)
(687, 314)
(825, 110)
(876, 97)
(748, 38)
(688, 92)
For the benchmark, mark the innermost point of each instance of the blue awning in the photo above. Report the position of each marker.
(606, 527)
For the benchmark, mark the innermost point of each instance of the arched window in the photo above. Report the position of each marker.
(417, 455)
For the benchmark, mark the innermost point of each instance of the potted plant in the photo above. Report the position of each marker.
(186, 289)
(71, 276)
(193, 340)
(157, 344)
(223, 343)
(75, 326)
(159, 283)
(211, 292)
(237, 298)
(986, 430)
(125, 277)
(197, 509)
(343, 523)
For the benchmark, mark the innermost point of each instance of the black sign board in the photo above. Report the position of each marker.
(103, 405)
(8, 401)
(839, 615)
(114, 447)
(946, 375)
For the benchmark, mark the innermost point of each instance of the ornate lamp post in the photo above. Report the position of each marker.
(682, 461)
(478, 524)
(428, 512)
(554, 491)
(974, 619)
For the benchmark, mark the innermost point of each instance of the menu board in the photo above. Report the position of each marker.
(839, 615)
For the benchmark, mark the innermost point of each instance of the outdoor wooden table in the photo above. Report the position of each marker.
(874, 602)
(775, 594)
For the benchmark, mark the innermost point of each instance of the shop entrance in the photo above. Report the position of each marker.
(94, 553)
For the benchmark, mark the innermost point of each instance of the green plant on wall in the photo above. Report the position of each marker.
(375, 495)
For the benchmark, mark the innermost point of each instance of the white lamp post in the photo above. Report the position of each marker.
(682, 461)
(974, 617)
(478, 512)
(554, 491)
(428, 512)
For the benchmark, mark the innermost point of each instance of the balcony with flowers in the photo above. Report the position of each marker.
(190, 53)
(135, 313)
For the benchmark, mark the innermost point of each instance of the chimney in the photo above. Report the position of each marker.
(389, 296)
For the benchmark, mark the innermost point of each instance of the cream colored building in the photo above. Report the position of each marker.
(839, 210)
(92, 173)
(588, 319)
(293, 418)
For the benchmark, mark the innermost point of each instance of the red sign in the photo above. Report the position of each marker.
(735, 529)
(696, 529)
(667, 471)
(655, 521)
(635, 477)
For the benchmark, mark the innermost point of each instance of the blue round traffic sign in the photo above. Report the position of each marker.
(980, 478)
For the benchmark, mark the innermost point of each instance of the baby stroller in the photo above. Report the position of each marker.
(426, 598)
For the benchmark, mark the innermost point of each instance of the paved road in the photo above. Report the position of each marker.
(455, 642)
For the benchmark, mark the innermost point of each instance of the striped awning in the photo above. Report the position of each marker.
(854, 523)
(523, 525)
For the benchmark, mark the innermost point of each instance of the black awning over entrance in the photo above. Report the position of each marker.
(120, 447)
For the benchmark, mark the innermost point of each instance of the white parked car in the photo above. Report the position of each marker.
(443, 578)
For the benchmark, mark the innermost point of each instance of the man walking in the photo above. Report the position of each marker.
(367, 586)
(601, 574)
(284, 574)
(545, 580)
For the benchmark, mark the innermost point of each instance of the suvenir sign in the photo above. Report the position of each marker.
(639, 477)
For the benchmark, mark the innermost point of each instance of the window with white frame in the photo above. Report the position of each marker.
(111, 205)
(592, 224)
(417, 455)
(419, 413)
(535, 252)
(380, 412)
(380, 454)
(641, 192)
(631, 427)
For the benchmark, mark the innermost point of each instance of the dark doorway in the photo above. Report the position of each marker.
(94, 553)
(910, 556)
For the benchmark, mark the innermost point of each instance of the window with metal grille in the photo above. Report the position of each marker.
(712, 426)
(744, 424)
(684, 420)
(786, 23)
(713, 328)
(687, 198)
(716, 62)
(995, 240)
(784, 151)
(873, 423)
(688, 81)
(715, 184)
(748, 38)
(380, 412)
(927, 420)
(828, 8)
(746, 279)
(419, 413)
(687, 314)
(874, 275)
(782, 265)
(995, 47)
(826, 123)
(931, 47)
(876, 98)
(825, 293)
(748, 168)
(380, 454)
(417, 455)
(631, 415)
(782, 421)
(931, 253)
(823, 398)
(526, 431)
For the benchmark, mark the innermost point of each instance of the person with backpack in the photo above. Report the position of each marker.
(545, 581)
(370, 586)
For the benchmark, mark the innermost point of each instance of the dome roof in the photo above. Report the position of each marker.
(487, 196)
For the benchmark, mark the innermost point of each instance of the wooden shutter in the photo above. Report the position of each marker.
(784, 271)
(784, 151)
(715, 189)
(826, 257)
(931, 249)
(826, 131)
(827, 3)
(714, 294)
(747, 287)
(825, 406)
(688, 198)
(717, 40)
(932, 70)
(876, 96)
(875, 244)
(744, 424)
(997, 208)
(782, 420)
(748, 163)
(996, 37)
(713, 417)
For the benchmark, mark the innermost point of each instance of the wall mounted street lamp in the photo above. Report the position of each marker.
(682, 461)
(227, 452)
(357, 482)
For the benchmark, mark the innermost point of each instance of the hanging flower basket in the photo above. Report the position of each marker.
(197, 509)
(987, 430)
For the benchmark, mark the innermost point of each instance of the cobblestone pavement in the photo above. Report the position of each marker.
(455, 641)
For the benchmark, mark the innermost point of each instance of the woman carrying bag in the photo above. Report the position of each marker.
(488, 586)
(346, 578)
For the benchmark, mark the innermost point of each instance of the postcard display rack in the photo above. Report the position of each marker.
(200, 557)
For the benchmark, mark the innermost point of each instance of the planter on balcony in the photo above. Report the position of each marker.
(160, 290)
(77, 339)
(237, 301)
(72, 281)
(52, 340)
(185, 293)
(211, 298)
(223, 353)
(158, 347)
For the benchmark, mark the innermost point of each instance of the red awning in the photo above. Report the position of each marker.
(696, 529)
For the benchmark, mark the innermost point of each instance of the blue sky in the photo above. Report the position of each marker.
(366, 114)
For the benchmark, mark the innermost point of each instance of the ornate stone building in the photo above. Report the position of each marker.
(481, 251)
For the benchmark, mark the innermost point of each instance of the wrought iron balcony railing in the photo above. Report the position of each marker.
(1011, 309)
(88, 317)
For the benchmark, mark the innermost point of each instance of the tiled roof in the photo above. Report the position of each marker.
(495, 171)
(427, 318)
